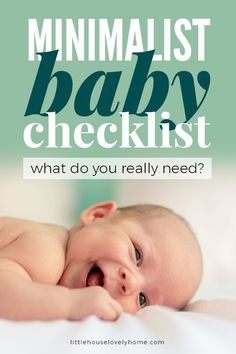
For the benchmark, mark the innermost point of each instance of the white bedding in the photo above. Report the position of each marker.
(182, 333)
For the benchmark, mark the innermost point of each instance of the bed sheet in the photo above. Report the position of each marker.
(153, 330)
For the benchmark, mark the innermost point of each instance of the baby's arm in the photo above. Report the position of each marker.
(23, 299)
(31, 263)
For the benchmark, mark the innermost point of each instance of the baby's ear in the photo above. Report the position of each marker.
(97, 211)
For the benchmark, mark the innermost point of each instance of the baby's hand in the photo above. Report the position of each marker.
(93, 300)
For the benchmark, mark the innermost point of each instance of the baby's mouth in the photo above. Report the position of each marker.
(95, 277)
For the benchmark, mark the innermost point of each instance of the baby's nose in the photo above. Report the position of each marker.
(128, 281)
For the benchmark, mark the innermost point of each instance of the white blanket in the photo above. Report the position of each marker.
(153, 330)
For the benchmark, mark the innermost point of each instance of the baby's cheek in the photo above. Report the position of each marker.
(116, 251)
(105, 242)
(110, 242)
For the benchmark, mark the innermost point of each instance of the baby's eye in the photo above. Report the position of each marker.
(142, 300)
(138, 256)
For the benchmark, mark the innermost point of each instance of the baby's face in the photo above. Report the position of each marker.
(138, 263)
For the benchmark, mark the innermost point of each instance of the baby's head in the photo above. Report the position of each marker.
(142, 255)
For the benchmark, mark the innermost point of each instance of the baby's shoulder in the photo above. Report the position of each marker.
(14, 229)
(39, 248)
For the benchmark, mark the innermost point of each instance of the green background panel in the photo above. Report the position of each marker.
(18, 75)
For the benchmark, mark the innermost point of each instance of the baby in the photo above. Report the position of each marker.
(113, 260)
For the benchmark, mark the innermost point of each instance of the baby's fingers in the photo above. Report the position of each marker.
(111, 311)
(118, 309)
